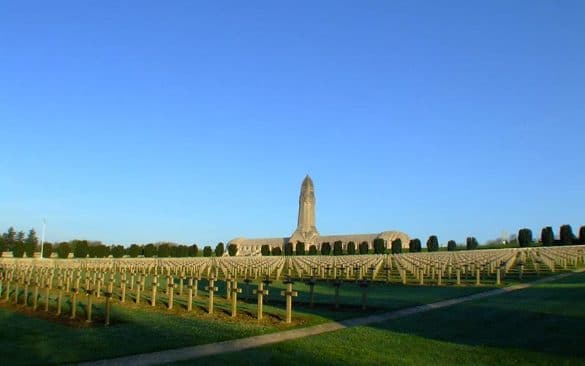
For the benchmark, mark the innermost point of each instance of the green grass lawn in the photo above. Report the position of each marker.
(28, 340)
(544, 325)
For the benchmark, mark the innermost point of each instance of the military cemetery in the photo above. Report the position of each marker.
(307, 183)
(273, 293)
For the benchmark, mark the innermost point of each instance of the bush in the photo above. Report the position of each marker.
(100, 251)
(47, 250)
(300, 248)
(30, 244)
(288, 248)
(451, 246)
(567, 237)
(325, 248)
(18, 250)
(414, 246)
(351, 248)
(312, 250)
(433, 244)
(63, 250)
(164, 250)
(337, 248)
(547, 236)
(582, 235)
(471, 243)
(133, 251)
(183, 251)
(193, 250)
(276, 251)
(232, 250)
(174, 250)
(397, 246)
(149, 250)
(117, 251)
(379, 246)
(265, 250)
(525, 237)
(219, 249)
(206, 251)
(363, 247)
(80, 248)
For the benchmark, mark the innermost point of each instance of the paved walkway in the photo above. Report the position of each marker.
(189, 353)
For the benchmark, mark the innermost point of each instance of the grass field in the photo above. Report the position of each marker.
(544, 325)
(28, 340)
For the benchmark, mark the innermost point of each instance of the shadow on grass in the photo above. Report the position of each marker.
(549, 318)
(141, 329)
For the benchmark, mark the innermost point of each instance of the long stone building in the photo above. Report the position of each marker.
(307, 232)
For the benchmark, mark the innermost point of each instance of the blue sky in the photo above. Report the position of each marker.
(187, 121)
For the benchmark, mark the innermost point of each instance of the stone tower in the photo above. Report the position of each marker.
(306, 230)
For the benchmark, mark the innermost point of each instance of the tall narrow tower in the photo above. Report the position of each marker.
(306, 230)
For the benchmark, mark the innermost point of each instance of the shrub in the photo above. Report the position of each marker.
(451, 246)
(63, 250)
(80, 248)
(206, 251)
(471, 243)
(397, 246)
(582, 235)
(300, 248)
(288, 248)
(164, 250)
(232, 250)
(183, 251)
(433, 244)
(276, 251)
(325, 248)
(337, 248)
(101, 251)
(547, 236)
(149, 250)
(133, 251)
(567, 237)
(379, 246)
(312, 250)
(117, 251)
(174, 250)
(265, 250)
(525, 237)
(18, 250)
(193, 250)
(219, 249)
(30, 244)
(415, 246)
(47, 250)
(351, 248)
(363, 247)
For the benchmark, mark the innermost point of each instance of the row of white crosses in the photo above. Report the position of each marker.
(99, 278)
(439, 268)
(115, 279)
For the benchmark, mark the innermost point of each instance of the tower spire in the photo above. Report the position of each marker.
(306, 229)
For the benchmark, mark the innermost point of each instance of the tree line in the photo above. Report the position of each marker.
(523, 239)
(299, 248)
(20, 245)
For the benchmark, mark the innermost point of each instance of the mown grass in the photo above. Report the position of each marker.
(29, 340)
(544, 325)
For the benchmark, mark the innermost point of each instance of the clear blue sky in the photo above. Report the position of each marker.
(192, 121)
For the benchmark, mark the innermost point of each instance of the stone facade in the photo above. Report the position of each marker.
(307, 232)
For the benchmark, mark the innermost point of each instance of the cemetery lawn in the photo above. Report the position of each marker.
(543, 325)
(30, 340)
